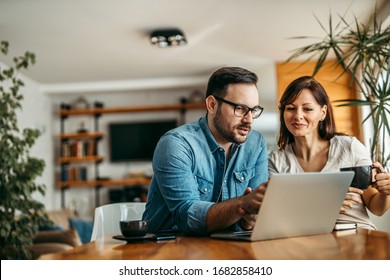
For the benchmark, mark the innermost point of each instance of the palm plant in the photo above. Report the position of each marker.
(363, 51)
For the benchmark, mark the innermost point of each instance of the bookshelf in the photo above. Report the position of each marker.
(79, 149)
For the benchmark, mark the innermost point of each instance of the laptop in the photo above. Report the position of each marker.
(297, 205)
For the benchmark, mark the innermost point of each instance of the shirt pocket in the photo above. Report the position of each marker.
(205, 188)
(242, 179)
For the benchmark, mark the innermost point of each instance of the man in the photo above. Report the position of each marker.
(209, 175)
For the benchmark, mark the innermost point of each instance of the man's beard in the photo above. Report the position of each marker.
(226, 134)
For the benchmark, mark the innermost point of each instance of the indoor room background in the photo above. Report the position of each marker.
(267, 29)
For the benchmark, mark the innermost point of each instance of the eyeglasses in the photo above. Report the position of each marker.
(242, 110)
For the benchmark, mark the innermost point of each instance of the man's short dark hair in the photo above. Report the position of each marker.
(223, 77)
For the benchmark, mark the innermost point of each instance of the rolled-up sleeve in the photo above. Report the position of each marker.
(197, 214)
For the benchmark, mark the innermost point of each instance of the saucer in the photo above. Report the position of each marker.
(148, 236)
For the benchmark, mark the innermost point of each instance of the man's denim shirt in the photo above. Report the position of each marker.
(191, 174)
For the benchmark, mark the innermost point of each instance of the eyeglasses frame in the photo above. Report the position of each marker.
(249, 109)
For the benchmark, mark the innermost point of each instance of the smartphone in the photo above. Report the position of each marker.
(164, 237)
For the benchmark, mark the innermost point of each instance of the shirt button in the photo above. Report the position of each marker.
(205, 189)
(242, 178)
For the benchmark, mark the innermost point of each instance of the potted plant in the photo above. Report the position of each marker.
(363, 51)
(21, 215)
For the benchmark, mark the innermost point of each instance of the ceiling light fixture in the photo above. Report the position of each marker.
(167, 37)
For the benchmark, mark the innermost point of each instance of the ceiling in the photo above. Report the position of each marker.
(91, 42)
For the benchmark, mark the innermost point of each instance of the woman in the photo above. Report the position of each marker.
(308, 142)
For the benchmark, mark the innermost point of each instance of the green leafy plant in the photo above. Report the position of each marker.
(20, 215)
(363, 50)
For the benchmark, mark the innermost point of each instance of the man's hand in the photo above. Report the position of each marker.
(248, 220)
(245, 208)
(252, 199)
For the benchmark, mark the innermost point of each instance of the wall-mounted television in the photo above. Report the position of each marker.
(136, 141)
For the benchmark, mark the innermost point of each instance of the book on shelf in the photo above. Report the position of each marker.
(79, 148)
(65, 150)
(64, 173)
(345, 225)
(76, 173)
(91, 147)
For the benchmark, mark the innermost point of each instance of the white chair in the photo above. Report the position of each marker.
(107, 217)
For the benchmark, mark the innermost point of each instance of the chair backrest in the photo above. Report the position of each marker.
(107, 217)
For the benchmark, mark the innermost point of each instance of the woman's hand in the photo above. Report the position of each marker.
(353, 196)
(382, 180)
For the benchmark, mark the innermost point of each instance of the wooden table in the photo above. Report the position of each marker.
(364, 244)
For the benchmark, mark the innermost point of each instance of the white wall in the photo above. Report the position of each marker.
(382, 222)
(36, 113)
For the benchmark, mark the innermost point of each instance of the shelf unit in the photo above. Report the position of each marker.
(97, 183)
(134, 109)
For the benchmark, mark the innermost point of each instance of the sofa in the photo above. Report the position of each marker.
(68, 232)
